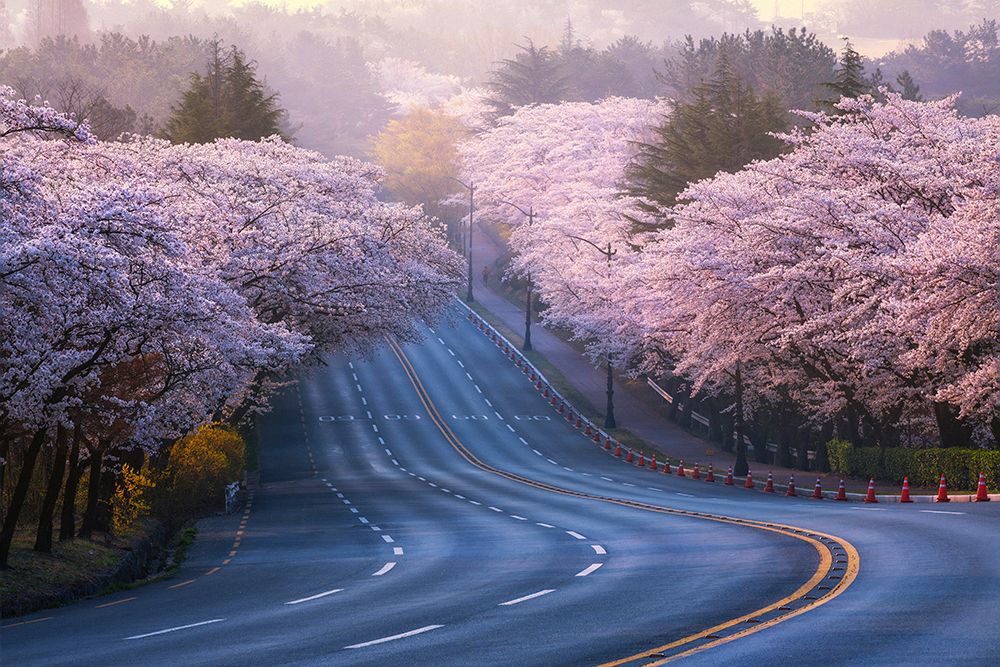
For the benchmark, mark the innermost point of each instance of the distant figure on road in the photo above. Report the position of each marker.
(486, 275)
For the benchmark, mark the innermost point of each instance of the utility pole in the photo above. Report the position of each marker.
(530, 213)
(471, 187)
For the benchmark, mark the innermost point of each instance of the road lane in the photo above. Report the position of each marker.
(660, 577)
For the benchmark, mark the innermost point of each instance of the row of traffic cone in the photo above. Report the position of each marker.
(982, 494)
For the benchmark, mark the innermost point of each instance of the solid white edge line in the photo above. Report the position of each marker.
(385, 568)
(527, 597)
(402, 635)
(589, 569)
(179, 627)
(315, 597)
(598, 549)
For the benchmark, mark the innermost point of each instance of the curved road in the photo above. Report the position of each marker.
(428, 507)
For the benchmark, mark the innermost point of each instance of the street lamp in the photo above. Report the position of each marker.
(609, 410)
(471, 188)
(527, 306)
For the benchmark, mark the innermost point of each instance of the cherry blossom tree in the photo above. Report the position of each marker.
(567, 162)
(147, 288)
(855, 275)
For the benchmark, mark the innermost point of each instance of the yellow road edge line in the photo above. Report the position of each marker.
(112, 604)
(822, 570)
(183, 583)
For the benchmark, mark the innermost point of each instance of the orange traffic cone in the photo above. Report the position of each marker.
(666, 466)
(554, 400)
(597, 437)
(562, 407)
(748, 484)
(538, 385)
(570, 416)
(628, 457)
(607, 444)
(942, 496)
(579, 422)
(904, 496)
(652, 463)
(841, 491)
(588, 431)
(546, 393)
(696, 473)
(642, 459)
(790, 491)
(680, 469)
(981, 494)
(710, 477)
(818, 490)
(870, 496)
(769, 486)
(618, 449)
(729, 477)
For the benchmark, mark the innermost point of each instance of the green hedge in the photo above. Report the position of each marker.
(924, 467)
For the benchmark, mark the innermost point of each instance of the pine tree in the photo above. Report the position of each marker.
(908, 87)
(532, 76)
(848, 78)
(722, 126)
(226, 101)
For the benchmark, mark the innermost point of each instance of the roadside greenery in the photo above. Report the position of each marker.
(924, 467)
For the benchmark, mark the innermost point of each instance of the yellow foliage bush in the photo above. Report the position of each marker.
(129, 501)
(202, 463)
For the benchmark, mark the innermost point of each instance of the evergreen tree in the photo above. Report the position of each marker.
(533, 76)
(722, 126)
(908, 87)
(849, 77)
(226, 101)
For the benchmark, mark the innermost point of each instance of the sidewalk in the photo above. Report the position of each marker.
(638, 409)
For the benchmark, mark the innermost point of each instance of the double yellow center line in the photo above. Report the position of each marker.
(810, 592)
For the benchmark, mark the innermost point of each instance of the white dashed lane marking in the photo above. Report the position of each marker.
(589, 569)
(402, 635)
(526, 597)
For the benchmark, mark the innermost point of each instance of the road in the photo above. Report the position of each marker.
(428, 507)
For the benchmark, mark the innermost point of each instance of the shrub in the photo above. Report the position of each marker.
(201, 464)
(924, 467)
(129, 501)
(838, 452)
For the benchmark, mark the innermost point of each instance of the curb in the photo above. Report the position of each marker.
(526, 366)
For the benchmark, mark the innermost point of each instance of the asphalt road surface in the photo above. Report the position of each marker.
(428, 507)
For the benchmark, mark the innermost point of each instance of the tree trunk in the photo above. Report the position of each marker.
(67, 524)
(43, 538)
(20, 493)
(93, 492)
(760, 446)
(785, 448)
(741, 467)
